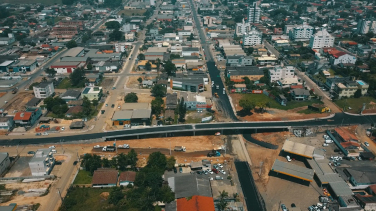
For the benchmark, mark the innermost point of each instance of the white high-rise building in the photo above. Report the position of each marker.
(152, 2)
(321, 39)
(242, 28)
(253, 37)
(281, 72)
(365, 26)
(254, 13)
(301, 33)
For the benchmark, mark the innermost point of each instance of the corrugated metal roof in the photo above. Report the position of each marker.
(298, 149)
(340, 188)
(293, 170)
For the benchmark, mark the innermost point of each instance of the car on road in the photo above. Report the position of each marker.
(30, 152)
(45, 134)
(38, 134)
(283, 207)
(366, 143)
(106, 105)
(113, 106)
(119, 107)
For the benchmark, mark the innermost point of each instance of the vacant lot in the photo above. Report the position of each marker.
(131, 12)
(83, 177)
(86, 199)
(65, 84)
(356, 104)
(46, 2)
(18, 102)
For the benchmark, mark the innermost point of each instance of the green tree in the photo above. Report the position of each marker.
(222, 201)
(141, 56)
(116, 35)
(122, 161)
(95, 103)
(156, 106)
(158, 161)
(77, 77)
(182, 110)
(132, 158)
(191, 37)
(87, 107)
(112, 25)
(170, 68)
(115, 196)
(131, 98)
(148, 66)
(71, 44)
(51, 72)
(246, 103)
(165, 194)
(158, 90)
(106, 163)
(139, 80)
(91, 162)
(89, 66)
(358, 93)
(170, 163)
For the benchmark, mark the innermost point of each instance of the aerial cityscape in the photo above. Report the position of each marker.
(187, 105)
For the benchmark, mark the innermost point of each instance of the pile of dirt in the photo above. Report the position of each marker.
(104, 195)
(272, 138)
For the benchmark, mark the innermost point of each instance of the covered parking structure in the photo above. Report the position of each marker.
(298, 149)
(324, 174)
(293, 170)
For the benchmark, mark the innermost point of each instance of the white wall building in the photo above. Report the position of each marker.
(152, 2)
(42, 162)
(253, 37)
(242, 28)
(365, 26)
(321, 39)
(254, 13)
(44, 90)
(121, 47)
(281, 72)
(342, 58)
(301, 33)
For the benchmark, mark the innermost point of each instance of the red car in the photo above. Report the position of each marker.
(215, 170)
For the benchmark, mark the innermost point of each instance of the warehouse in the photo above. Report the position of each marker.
(293, 170)
(65, 67)
(298, 149)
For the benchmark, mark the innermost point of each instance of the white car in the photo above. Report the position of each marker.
(62, 128)
(210, 172)
(325, 144)
(45, 134)
(52, 147)
(366, 143)
(220, 165)
(223, 172)
(288, 158)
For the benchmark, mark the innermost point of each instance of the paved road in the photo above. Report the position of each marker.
(214, 73)
(271, 48)
(187, 129)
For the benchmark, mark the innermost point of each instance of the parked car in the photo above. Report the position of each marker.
(223, 172)
(288, 158)
(45, 134)
(215, 170)
(366, 143)
(75, 162)
(283, 207)
(220, 165)
(38, 134)
(325, 144)
(52, 147)
(180, 169)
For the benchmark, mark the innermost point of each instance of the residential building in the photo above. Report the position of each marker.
(28, 117)
(239, 60)
(141, 65)
(195, 203)
(6, 123)
(195, 102)
(266, 60)
(342, 58)
(300, 94)
(360, 176)
(171, 101)
(44, 90)
(65, 67)
(242, 28)
(70, 95)
(366, 25)
(331, 82)
(129, 37)
(73, 111)
(189, 185)
(42, 162)
(252, 38)
(192, 83)
(254, 13)
(7, 40)
(127, 178)
(367, 202)
(281, 72)
(301, 33)
(92, 93)
(321, 39)
(25, 65)
(104, 178)
(189, 51)
(107, 66)
(348, 88)
(163, 17)
(155, 53)
(237, 74)
(4, 162)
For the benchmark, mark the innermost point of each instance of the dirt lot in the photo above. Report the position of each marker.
(107, 83)
(144, 98)
(18, 102)
(2, 94)
(272, 114)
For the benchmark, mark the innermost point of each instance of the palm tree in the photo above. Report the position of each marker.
(223, 194)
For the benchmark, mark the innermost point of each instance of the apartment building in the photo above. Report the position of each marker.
(366, 25)
(301, 33)
(321, 39)
(254, 13)
(281, 72)
(349, 87)
(239, 60)
(44, 90)
(252, 38)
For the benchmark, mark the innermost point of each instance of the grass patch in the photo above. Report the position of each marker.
(356, 104)
(83, 177)
(276, 105)
(132, 12)
(65, 84)
(46, 2)
(308, 111)
(79, 199)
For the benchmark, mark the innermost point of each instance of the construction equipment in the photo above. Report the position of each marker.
(214, 153)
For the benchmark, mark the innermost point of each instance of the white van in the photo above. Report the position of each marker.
(54, 151)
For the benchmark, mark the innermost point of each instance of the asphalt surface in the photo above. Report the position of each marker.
(230, 127)
(251, 194)
(214, 73)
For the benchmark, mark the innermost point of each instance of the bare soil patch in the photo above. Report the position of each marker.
(18, 102)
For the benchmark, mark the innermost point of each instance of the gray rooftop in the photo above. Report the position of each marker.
(341, 188)
(293, 170)
(3, 156)
(122, 115)
(40, 155)
(43, 84)
(132, 106)
(73, 52)
(141, 113)
(301, 92)
(189, 185)
(71, 93)
(24, 62)
(298, 149)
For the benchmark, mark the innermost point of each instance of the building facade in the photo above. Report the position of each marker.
(92, 93)
(366, 25)
(254, 13)
(253, 37)
(301, 33)
(44, 90)
(321, 39)
(281, 72)
(348, 88)
(42, 162)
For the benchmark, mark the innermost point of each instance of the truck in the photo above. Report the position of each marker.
(108, 149)
(319, 108)
(214, 153)
(124, 146)
(15, 90)
(179, 148)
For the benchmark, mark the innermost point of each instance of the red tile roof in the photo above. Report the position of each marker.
(45, 46)
(336, 55)
(296, 87)
(349, 143)
(75, 110)
(345, 134)
(104, 177)
(196, 203)
(128, 176)
(22, 116)
(373, 188)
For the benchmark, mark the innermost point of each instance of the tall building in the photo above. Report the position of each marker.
(242, 28)
(301, 33)
(44, 90)
(254, 14)
(281, 72)
(253, 37)
(321, 39)
(365, 26)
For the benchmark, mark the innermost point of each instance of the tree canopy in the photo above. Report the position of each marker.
(158, 90)
(77, 77)
(157, 106)
(170, 68)
(116, 35)
(112, 25)
(131, 98)
(71, 44)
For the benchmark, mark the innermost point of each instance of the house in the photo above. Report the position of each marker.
(25, 65)
(104, 178)
(300, 94)
(72, 111)
(162, 17)
(281, 100)
(65, 67)
(92, 92)
(155, 53)
(10, 207)
(171, 101)
(190, 83)
(349, 87)
(107, 66)
(141, 65)
(331, 82)
(240, 88)
(339, 57)
(42, 162)
(367, 202)
(147, 83)
(71, 95)
(195, 203)
(28, 117)
(237, 74)
(44, 90)
(127, 178)
(6, 123)
(195, 102)
(4, 162)
(93, 79)
(129, 37)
